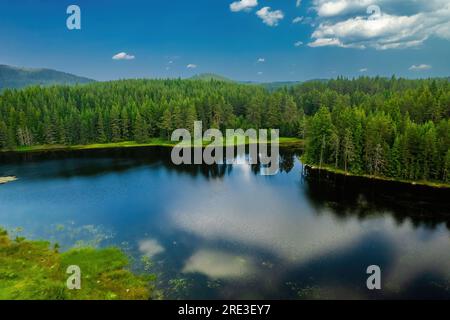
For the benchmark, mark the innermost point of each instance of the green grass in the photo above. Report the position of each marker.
(154, 142)
(334, 170)
(32, 270)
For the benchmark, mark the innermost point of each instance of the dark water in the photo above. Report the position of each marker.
(228, 232)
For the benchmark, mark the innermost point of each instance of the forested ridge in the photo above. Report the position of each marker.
(385, 127)
(16, 77)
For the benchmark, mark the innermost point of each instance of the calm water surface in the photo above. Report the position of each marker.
(229, 232)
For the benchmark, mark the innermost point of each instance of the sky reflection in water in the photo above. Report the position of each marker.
(232, 233)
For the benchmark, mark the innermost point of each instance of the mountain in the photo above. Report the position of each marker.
(14, 77)
(271, 86)
(210, 76)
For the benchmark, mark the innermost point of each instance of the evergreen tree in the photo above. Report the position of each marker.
(348, 149)
(101, 135)
(3, 135)
(140, 129)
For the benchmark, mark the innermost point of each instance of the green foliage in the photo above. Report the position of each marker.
(394, 128)
(31, 270)
(118, 111)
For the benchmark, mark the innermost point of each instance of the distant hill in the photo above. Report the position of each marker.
(210, 76)
(279, 84)
(271, 86)
(14, 77)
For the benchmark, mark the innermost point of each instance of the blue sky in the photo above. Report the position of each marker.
(162, 38)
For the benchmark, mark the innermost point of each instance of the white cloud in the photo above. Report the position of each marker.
(261, 60)
(298, 43)
(363, 70)
(269, 17)
(298, 3)
(322, 42)
(403, 25)
(259, 73)
(243, 5)
(123, 56)
(297, 20)
(191, 66)
(331, 8)
(420, 67)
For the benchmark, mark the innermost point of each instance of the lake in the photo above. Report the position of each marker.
(225, 231)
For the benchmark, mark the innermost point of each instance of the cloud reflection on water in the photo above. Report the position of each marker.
(219, 264)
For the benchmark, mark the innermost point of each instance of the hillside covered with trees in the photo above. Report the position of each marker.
(15, 77)
(386, 127)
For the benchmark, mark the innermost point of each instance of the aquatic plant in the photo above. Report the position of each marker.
(33, 270)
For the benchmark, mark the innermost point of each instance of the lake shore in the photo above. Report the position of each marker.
(34, 269)
(340, 172)
(156, 142)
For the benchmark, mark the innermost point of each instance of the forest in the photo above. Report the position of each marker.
(386, 127)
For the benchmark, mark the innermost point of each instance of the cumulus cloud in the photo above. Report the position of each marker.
(298, 3)
(123, 56)
(380, 24)
(298, 43)
(330, 8)
(363, 70)
(243, 5)
(269, 16)
(261, 60)
(420, 67)
(322, 42)
(191, 66)
(297, 20)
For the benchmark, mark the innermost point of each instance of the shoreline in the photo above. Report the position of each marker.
(339, 172)
(156, 142)
(107, 271)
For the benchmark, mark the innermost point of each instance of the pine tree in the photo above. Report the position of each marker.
(3, 135)
(115, 124)
(140, 129)
(446, 177)
(349, 150)
(395, 160)
(125, 123)
(101, 135)
(49, 131)
(379, 162)
(320, 128)
(167, 123)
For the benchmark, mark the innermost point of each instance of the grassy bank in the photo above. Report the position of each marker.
(32, 270)
(155, 142)
(371, 177)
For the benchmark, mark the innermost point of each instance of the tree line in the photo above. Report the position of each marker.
(136, 110)
(387, 127)
(391, 128)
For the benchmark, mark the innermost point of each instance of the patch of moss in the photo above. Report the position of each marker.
(32, 270)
